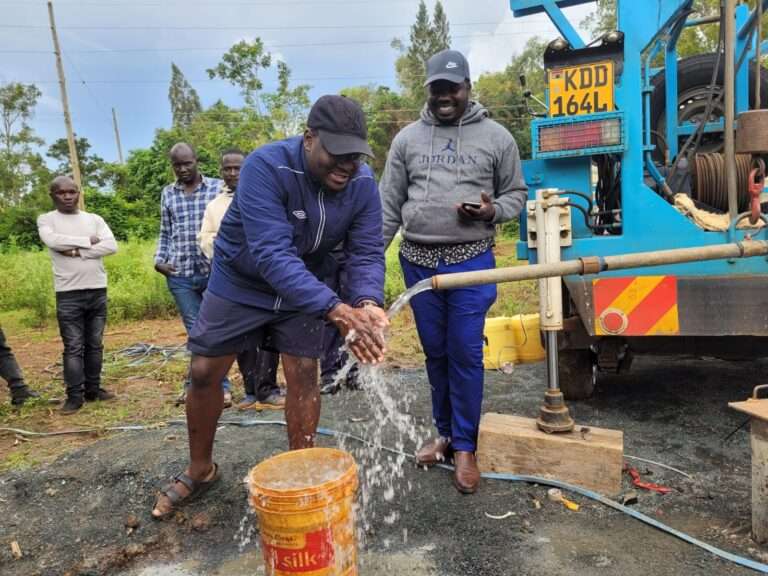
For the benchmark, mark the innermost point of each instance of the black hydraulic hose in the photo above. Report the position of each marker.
(584, 212)
(581, 195)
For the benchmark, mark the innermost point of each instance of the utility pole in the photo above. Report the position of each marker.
(73, 160)
(117, 137)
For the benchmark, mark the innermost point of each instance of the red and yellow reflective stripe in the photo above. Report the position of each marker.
(636, 306)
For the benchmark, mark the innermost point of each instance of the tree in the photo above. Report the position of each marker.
(240, 66)
(694, 40)
(95, 172)
(602, 20)
(426, 39)
(211, 132)
(185, 102)
(441, 30)
(502, 93)
(387, 112)
(287, 108)
(17, 158)
(530, 63)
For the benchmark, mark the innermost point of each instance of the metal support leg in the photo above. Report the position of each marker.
(554, 415)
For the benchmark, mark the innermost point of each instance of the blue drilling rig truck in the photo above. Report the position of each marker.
(653, 152)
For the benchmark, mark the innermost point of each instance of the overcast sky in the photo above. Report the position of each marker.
(118, 53)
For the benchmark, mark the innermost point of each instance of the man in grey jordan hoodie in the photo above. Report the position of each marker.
(449, 179)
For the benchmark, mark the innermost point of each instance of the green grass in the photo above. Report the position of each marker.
(145, 392)
(19, 460)
(513, 297)
(136, 291)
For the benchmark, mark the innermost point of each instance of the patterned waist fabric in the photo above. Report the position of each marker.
(429, 255)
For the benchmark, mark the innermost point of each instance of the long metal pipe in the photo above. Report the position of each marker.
(729, 80)
(595, 265)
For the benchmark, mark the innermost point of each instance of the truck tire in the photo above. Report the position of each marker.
(578, 374)
(694, 75)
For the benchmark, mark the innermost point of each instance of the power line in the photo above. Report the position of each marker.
(271, 46)
(84, 83)
(370, 122)
(413, 111)
(243, 27)
(200, 80)
(216, 3)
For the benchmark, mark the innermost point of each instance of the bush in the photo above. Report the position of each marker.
(126, 219)
(27, 283)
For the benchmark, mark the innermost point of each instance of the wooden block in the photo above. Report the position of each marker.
(759, 442)
(515, 445)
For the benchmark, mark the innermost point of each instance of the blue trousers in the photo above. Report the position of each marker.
(450, 325)
(188, 294)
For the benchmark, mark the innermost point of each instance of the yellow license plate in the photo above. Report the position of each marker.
(577, 90)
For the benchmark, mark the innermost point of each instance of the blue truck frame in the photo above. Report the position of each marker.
(715, 299)
(649, 222)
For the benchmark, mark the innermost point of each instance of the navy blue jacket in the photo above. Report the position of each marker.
(275, 240)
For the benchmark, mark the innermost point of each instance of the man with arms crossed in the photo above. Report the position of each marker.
(77, 242)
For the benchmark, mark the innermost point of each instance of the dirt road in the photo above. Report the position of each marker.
(69, 516)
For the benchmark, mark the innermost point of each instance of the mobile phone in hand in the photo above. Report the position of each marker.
(475, 205)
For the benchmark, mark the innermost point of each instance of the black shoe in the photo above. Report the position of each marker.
(22, 394)
(100, 394)
(71, 406)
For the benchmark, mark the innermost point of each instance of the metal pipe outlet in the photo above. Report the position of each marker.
(596, 265)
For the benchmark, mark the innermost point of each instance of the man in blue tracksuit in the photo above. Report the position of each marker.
(449, 179)
(297, 200)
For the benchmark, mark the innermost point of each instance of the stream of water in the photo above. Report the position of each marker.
(392, 435)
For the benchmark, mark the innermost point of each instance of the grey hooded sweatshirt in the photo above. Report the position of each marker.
(431, 167)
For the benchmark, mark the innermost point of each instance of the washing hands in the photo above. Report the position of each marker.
(363, 329)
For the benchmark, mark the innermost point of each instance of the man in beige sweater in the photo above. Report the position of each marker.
(258, 367)
(77, 242)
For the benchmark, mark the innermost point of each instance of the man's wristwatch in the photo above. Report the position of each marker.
(366, 303)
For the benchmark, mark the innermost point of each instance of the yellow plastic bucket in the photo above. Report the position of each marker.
(512, 340)
(304, 503)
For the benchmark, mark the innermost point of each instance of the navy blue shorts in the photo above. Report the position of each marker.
(224, 327)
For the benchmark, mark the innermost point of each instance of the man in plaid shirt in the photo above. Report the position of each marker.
(178, 256)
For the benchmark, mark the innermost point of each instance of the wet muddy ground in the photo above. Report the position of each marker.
(69, 517)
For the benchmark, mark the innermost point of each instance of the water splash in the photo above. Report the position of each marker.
(405, 297)
(390, 441)
(399, 303)
(392, 435)
(247, 530)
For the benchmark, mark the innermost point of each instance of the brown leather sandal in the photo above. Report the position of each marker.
(196, 489)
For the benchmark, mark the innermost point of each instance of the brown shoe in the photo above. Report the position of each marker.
(466, 476)
(434, 452)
